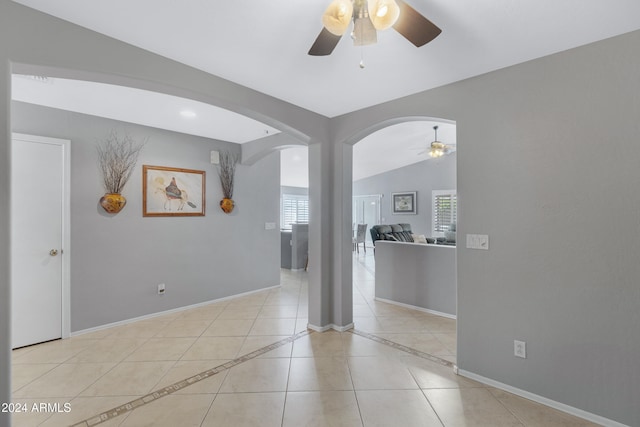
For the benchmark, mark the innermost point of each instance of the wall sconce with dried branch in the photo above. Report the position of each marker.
(117, 157)
(226, 172)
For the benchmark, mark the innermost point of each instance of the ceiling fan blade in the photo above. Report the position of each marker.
(415, 27)
(324, 44)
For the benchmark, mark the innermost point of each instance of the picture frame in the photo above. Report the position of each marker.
(404, 203)
(168, 191)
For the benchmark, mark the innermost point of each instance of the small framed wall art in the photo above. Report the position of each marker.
(404, 203)
(172, 191)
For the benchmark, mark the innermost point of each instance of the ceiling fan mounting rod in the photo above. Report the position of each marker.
(360, 8)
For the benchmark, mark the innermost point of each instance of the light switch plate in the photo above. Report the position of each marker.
(478, 241)
(483, 241)
(269, 225)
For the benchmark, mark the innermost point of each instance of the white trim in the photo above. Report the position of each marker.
(342, 328)
(66, 222)
(318, 328)
(543, 400)
(171, 311)
(329, 326)
(414, 307)
(354, 210)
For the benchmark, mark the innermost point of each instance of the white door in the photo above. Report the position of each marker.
(38, 193)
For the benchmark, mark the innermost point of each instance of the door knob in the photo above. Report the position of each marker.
(53, 252)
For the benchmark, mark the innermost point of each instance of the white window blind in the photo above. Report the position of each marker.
(445, 210)
(295, 208)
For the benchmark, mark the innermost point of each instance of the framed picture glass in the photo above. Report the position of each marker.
(172, 191)
(404, 203)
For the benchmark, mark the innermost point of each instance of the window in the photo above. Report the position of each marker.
(295, 208)
(444, 210)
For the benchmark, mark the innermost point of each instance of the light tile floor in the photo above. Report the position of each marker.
(311, 379)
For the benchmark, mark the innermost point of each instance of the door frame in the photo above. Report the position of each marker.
(354, 211)
(66, 222)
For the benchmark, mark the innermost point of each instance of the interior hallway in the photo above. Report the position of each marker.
(310, 379)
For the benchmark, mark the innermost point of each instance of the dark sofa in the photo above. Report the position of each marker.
(395, 232)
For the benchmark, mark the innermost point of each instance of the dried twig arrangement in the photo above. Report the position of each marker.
(227, 171)
(117, 157)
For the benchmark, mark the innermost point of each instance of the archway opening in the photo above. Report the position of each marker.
(407, 198)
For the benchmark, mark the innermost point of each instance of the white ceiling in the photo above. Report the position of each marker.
(390, 148)
(140, 107)
(398, 145)
(294, 167)
(263, 44)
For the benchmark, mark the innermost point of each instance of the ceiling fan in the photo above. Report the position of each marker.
(367, 17)
(436, 148)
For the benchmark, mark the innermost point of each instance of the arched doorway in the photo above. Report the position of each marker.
(389, 163)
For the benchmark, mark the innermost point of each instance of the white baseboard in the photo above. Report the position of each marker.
(414, 307)
(342, 328)
(543, 400)
(330, 326)
(318, 328)
(171, 311)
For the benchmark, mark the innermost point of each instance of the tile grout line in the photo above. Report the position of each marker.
(411, 351)
(353, 386)
(404, 348)
(157, 394)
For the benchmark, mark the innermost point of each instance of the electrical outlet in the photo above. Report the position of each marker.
(520, 349)
(161, 289)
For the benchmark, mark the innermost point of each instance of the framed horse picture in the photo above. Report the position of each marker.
(172, 191)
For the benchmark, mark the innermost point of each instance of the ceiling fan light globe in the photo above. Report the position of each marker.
(337, 17)
(383, 13)
(437, 149)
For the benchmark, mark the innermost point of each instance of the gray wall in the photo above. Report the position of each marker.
(5, 244)
(198, 258)
(299, 246)
(423, 177)
(417, 274)
(548, 168)
(562, 272)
